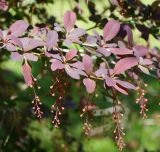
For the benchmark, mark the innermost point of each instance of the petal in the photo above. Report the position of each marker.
(89, 84)
(52, 38)
(110, 30)
(27, 73)
(56, 64)
(69, 20)
(30, 56)
(125, 64)
(71, 54)
(16, 56)
(18, 28)
(87, 63)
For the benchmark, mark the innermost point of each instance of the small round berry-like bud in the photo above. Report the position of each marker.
(35, 79)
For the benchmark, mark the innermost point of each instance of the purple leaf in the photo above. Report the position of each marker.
(140, 50)
(110, 30)
(30, 56)
(30, 43)
(71, 54)
(27, 73)
(68, 41)
(109, 81)
(78, 65)
(125, 64)
(72, 72)
(97, 35)
(16, 41)
(129, 34)
(101, 72)
(145, 61)
(52, 38)
(120, 51)
(125, 84)
(121, 90)
(56, 64)
(144, 69)
(87, 63)
(104, 51)
(78, 32)
(16, 56)
(69, 20)
(11, 47)
(91, 39)
(18, 28)
(89, 84)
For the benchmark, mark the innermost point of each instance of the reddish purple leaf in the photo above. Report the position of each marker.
(121, 90)
(27, 73)
(16, 41)
(109, 81)
(56, 64)
(30, 43)
(145, 61)
(78, 65)
(87, 63)
(89, 84)
(30, 56)
(16, 56)
(120, 51)
(104, 51)
(126, 84)
(77, 32)
(18, 28)
(71, 54)
(52, 38)
(91, 39)
(129, 34)
(69, 20)
(11, 47)
(110, 30)
(125, 64)
(72, 72)
(140, 50)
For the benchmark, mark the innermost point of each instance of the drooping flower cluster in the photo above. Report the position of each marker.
(119, 59)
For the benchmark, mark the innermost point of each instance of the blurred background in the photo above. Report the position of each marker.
(21, 131)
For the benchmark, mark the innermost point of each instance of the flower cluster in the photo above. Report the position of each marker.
(119, 60)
